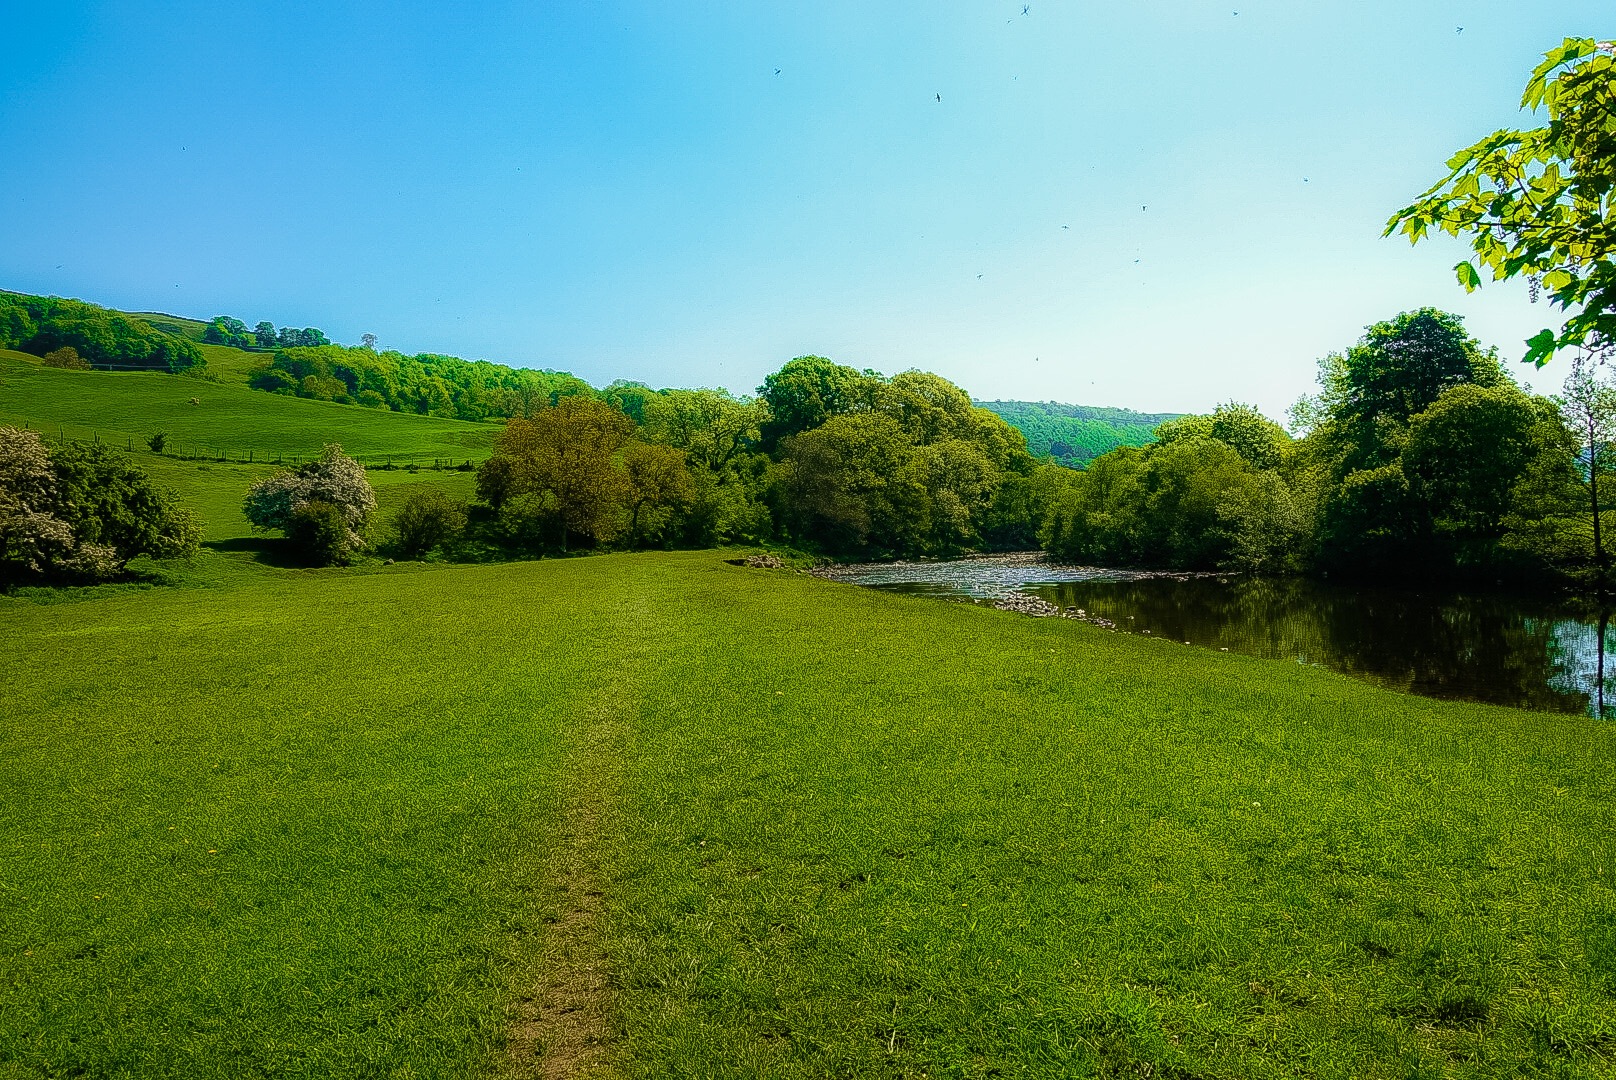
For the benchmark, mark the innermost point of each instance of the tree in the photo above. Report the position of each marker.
(960, 481)
(1463, 458)
(1589, 407)
(630, 397)
(264, 334)
(429, 518)
(848, 486)
(657, 480)
(808, 391)
(81, 512)
(566, 456)
(333, 478)
(1539, 203)
(67, 357)
(1244, 429)
(224, 330)
(712, 427)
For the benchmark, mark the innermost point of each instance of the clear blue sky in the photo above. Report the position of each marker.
(1153, 204)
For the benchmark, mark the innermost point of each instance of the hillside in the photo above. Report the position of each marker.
(223, 418)
(1071, 434)
(1074, 434)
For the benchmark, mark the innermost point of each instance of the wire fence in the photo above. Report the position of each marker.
(196, 450)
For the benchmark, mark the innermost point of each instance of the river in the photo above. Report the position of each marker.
(1536, 653)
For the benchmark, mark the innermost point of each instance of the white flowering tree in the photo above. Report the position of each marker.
(333, 478)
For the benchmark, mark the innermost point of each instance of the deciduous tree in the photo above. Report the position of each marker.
(1538, 203)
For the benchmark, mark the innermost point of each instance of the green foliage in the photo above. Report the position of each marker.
(44, 325)
(334, 480)
(81, 512)
(430, 518)
(1419, 441)
(318, 535)
(565, 462)
(426, 384)
(849, 486)
(808, 391)
(1074, 434)
(66, 357)
(1258, 440)
(224, 330)
(1192, 502)
(658, 484)
(629, 397)
(1538, 202)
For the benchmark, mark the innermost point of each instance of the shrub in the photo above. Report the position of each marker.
(66, 357)
(157, 442)
(428, 519)
(273, 380)
(81, 512)
(333, 478)
(319, 534)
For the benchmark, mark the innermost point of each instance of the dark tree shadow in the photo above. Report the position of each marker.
(274, 551)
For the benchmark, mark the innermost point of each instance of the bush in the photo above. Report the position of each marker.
(67, 357)
(428, 519)
(81, 512)
(333, 478)
(319, 534)
(273, 380)
(157, 442)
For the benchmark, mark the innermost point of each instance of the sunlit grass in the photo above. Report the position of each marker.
(293, 824)
(228, 419)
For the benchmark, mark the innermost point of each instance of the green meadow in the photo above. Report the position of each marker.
(228, 419)
(661, 816)
(657, 815)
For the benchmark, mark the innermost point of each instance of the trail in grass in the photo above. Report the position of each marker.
(562, 1028)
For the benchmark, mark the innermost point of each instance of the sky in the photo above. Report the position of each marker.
(1153, 204)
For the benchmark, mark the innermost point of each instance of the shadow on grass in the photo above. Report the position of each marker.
(274, 551)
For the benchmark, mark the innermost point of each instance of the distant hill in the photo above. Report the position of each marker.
(1074, 434)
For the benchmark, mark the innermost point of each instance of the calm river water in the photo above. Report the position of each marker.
(1509, 650)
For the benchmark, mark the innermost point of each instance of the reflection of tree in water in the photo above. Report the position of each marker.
(1582, 652)
(1500, 649)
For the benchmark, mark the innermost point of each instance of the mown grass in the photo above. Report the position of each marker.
(229, 419)
(295, 824)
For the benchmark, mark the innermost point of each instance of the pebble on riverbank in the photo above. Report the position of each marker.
(1043, 609)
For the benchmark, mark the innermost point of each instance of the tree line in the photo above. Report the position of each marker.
(825, 457)
(1418, 457)
(48, 325)
(426, 383)
(227, 330)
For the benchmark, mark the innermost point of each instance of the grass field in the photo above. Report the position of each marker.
(690, 820)
(124, 408)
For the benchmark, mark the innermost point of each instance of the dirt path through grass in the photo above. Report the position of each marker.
(562, 1028)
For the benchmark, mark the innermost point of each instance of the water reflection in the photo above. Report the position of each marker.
(1508, 650)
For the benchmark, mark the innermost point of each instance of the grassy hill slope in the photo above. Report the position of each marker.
(228, 419)
(1077, 433)
(366, 823)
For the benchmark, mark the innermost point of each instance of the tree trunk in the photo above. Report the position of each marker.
(1600, 562)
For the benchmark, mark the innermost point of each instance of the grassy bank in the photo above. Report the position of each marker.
(304, 824)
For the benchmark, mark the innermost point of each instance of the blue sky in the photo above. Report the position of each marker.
(1152, 204)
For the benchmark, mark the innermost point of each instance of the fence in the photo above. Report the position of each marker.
(185, 450)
